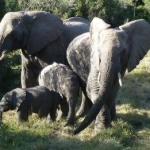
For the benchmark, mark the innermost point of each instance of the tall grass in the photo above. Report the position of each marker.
(130, 132)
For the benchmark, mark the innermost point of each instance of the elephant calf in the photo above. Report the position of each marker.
(37, 100)
(60, 78)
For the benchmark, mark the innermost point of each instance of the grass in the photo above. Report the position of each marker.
(130, 132)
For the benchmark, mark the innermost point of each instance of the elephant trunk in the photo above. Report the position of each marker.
(108, 72)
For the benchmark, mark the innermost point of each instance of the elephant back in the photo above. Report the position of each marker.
(78, 55)
(75, 26)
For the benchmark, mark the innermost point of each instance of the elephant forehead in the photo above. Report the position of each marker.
(13, 15)
(110, 33)
(9, 25)
(112, 36)
(12, 19)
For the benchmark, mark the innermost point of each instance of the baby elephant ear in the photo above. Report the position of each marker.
(18, 96)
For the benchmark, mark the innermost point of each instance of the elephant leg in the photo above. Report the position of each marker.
(22, 116)
(23, 111)
(53, 114)
(53, 109)
(103, 119)
(113, 113)
(28, 78)
(29, 73)
(64, 107)
(43, 114)
(72, 98)
(108, 112)
(71, 113)
(111, 101)
(86, 104)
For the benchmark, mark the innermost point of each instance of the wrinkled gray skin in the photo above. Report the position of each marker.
(43, 38)
(105, 53)
(61, 79)
(79, 60)
(30, 100)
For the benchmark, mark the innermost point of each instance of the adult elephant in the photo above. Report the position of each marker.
(106, 54)
(43, 38)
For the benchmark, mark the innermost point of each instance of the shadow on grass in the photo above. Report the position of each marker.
(136, 120)
(25, 140)
(135, 90)
(11, 139)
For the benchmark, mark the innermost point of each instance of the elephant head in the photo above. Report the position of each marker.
(31, 31)
(12, 100)
(113, 51)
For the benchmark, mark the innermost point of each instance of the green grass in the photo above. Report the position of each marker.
(130, 132)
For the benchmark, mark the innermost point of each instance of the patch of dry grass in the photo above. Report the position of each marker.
(130, 132)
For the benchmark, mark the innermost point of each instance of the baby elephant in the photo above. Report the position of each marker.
(62, 79)
(37, 100)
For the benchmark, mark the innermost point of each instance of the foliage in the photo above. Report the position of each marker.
(2, 8)
(10, 73)
(115, 12)
(59, 7)
(11, 5)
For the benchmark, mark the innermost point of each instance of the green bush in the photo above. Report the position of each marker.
(10, 72)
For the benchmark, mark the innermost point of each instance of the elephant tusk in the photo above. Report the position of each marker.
(120, 80)
(2, 57)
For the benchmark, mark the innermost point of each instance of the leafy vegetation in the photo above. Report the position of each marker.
(10, 72)
(115, 12)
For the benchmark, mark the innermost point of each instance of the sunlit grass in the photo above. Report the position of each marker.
(130, 132)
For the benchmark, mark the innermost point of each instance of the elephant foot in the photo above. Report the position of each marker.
(69, 121)
(99, 126)
(103, 120)
(68, 124)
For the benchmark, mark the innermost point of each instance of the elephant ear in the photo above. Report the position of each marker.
(44, 28)
(139, 37)
(97, 25)
(18, 96)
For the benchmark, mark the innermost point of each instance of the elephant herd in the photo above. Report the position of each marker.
(61, 57)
